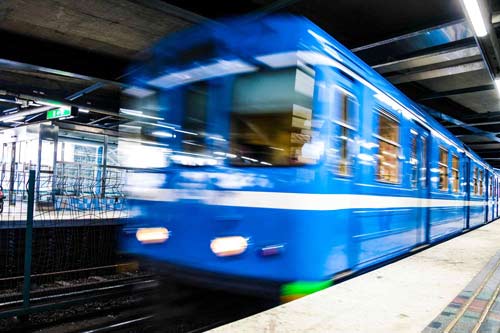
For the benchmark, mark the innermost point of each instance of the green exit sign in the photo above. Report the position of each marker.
(58, 113)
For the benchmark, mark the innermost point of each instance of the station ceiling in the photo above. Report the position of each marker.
(82, 51)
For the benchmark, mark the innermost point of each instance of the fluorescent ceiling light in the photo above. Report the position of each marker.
(13, 119)
(137, 113)
(163, 134)
(138, 92)
(83, 110)
(52, 103)
(130, 126)
(185, 132)
(152, 143)
(474, 13)
(497, 83)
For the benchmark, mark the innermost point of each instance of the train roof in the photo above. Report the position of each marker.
(250, 39)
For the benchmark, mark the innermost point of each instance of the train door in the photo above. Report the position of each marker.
(497, 194)
(494, 197)
(419, 180)
(489, 194)
(468, 188)
(339, 100)
(497, 191)
(464, 186)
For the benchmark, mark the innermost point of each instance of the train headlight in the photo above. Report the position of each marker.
(228, 246)
(152, 235)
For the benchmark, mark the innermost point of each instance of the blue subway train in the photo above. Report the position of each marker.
(288, 162)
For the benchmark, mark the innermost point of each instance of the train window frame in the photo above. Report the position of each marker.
(423, 165)
(474, 181)
(196, 143)
(414, 159)
(490, 186)
(303, 113)
(444, 177)
(348, 125)
(481, 182)
(455, 173)
(382, 112)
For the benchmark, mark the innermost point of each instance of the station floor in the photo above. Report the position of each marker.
(451, 287)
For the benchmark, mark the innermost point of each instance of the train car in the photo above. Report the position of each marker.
(292, 163)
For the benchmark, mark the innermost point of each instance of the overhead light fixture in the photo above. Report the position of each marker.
(138, 92)
(163, 134)
(83, 110)
(497, 84)
(139, 114)
(474, 13)
(51, 103)
(130, 126)
(13, 119)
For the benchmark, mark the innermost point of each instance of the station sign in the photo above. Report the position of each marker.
(61, 112)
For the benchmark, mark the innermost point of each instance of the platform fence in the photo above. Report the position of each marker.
(77, 212)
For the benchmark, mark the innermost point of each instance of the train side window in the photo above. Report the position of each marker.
(388, 140)
(272, 121)
(455, 174)
(413, 161)
(346, 120)
(490, 187)
(481, 190)
(423, 169)
(474, 180)
(443, 169)
(194, 122)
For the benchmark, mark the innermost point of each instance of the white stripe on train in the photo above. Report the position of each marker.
(296, 201)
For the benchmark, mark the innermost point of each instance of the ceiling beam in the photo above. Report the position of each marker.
(419, 75)
(95, 109)
(455, 25)
(429, 59)
(24, 49)
(20, 66)
(272, 7)
(495, 19)
(172, 10)
(24, 113)
(455, 92)
(99, 120)
(481, 147)
(441, 116)
(482, 116)
(477, 124)
(452, 34)
(490, 153)
(85, 91)
(24, 90)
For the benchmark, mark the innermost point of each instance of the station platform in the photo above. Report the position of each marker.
(15, 217)
(450, 287)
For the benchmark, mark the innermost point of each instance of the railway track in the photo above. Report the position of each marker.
(181, 308)
(52, 306)
(138, 303)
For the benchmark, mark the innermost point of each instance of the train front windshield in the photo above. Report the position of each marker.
(271, 119)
